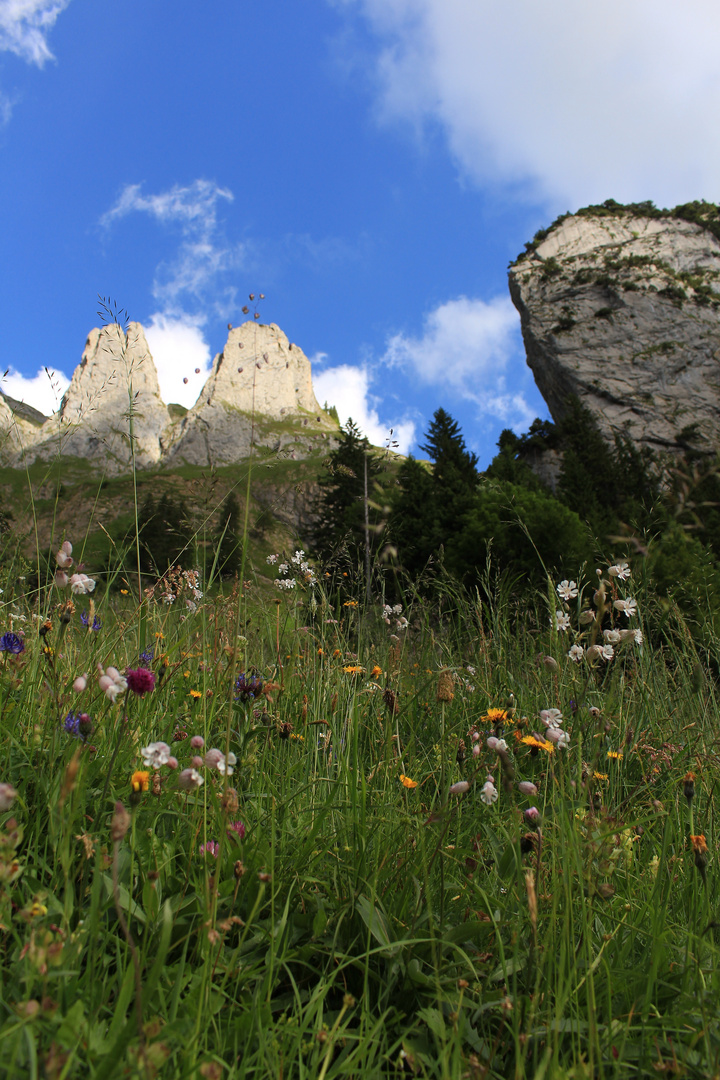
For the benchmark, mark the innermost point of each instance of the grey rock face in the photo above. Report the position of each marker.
(624, 312)
(259, 389)
(259, 392)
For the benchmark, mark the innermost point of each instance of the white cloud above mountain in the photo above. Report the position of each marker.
(43, 391)
(568, 103)
(348, 388)
(469, 348)
(25, 25)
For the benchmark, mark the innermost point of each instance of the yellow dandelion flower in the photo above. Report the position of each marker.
(494, 716)
(353, 669)
(537, 744)
(195, 694)
(376, 671)
(140, 781)
(600, 775)
(158, 635)
(407, 782)
(615, 755)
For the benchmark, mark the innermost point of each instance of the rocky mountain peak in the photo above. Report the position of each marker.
(621, 307)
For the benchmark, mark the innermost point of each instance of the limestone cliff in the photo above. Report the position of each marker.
(260, 373)
(259, 390)
(621, 307)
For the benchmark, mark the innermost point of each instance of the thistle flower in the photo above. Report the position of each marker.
(140, 680)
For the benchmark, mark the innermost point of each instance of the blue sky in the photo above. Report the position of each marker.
(371, 166)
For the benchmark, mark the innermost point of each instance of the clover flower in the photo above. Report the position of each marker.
(210, 848)
(238, 828)
(11, 643)
(156, 754)
(140, 680)
(567, 590)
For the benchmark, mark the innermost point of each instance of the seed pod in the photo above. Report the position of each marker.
(445, 686)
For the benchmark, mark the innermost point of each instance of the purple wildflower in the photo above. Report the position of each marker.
(85, 620)
(11, 643)
(211, 848)
(140, 681)
(248, 687)
(146, 658)
(238, 828)
(78, 725)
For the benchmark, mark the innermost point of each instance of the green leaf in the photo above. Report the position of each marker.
(377, 924)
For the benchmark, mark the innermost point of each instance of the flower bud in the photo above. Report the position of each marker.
(80, 684)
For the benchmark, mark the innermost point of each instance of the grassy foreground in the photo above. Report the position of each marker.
(358, 899)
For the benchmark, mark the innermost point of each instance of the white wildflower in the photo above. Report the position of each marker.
(272, 559)
(612, 637)
(80, 584)
(562, 620)
(488, 793)
(155, 755)
(551, 718)
(567, 590)
(620, 570)
(576, 653)
(607, 652)
(558, 736)
(628, 607)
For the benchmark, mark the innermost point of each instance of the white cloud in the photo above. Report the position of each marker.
(575, 103)
(178, 347)
(348, 389)
(472, 348)
(43, 391)
(24, 26)
(191, 277)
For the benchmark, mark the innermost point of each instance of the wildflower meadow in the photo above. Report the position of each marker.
(275, 827)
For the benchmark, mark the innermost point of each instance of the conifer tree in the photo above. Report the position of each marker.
(228, 542)
(340, 506)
